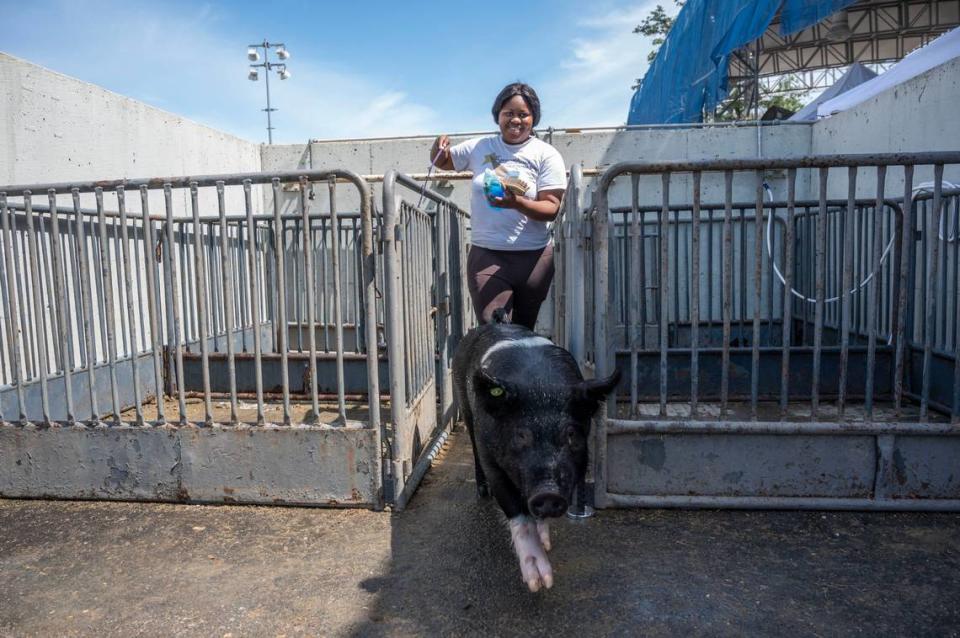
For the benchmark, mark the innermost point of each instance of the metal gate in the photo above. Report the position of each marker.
(798, 353)
(425, 265)
(244, 350)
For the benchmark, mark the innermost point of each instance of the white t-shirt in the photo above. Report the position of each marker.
(535, 162)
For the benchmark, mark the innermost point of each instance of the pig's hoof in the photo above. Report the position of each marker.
(482, 490)
(535, 568)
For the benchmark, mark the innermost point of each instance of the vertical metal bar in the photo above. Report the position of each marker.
(846, 295)
(727, 289)
(114, 254)
(62, 328)
(821, 275)
(872, 294)
(602, 357)
(943, 214)
(710, 269)
(201, 274)
(675, 272)
(757, 289)
(13, 274)
(771, 304)
(226, 272)
(88, 323)
(788, 257)
(152, 295)
(77, 295)
(51, 300)
(254, 298)
(907, 288)
(929, 335)
(22, 290)
(337, 299)
(297, 288)
(664, 289)
(324, 306)
(635, 321)
(110, 317)
(370, 307)
(39, 318)
(695, 298)
(177, 341)
(128, 285)
(281, 306)
(243, 316)
(742, 284)
(311, 313)
(140, 294)
(804, 274)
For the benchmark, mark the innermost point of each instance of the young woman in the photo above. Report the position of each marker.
(510, 264)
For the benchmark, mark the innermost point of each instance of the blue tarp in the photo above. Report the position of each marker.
(689, 74)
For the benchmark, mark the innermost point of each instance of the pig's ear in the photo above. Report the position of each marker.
(588, 394)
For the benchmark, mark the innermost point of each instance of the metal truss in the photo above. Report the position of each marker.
(876, 33)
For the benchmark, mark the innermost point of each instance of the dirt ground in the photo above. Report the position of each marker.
(444, 567)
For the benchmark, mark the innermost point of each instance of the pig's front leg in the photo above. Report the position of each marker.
(534, 566)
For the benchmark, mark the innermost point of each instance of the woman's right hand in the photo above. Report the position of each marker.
(440, 153)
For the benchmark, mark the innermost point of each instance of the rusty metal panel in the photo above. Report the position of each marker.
(116, 463)
(925, 467)
(304, 465)
(741, 465)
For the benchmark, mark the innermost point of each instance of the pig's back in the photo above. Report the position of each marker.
(515, 354)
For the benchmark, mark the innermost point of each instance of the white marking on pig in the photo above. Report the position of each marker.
(535, 569)
(526, 342)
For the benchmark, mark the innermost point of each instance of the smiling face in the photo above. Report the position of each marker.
(516, 120)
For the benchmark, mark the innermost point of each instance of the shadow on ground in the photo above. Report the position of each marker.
(445, 567)
(665, 573)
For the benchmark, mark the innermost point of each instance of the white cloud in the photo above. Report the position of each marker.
(147, 51)
(590, 86)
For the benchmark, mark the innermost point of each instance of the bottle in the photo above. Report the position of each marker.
(492, 186)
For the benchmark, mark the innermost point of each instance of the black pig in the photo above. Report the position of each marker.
(528, 410)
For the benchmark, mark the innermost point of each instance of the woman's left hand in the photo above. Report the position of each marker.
(509, 200)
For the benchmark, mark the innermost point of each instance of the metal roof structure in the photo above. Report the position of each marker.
(872, 32)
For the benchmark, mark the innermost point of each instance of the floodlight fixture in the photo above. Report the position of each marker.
(253, 73)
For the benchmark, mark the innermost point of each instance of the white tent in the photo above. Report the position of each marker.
(941, 50)
(856, 75)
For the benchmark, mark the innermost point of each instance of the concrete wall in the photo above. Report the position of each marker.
(591, 149)
(55, 128)
(916, 116)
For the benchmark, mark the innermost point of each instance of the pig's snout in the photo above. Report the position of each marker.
(546, 502)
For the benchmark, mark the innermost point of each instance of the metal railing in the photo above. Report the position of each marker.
(829, 331)
(165, 296)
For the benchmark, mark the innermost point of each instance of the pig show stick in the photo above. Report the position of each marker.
(426, 179)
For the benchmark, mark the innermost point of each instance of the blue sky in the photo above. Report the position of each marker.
(359, 69)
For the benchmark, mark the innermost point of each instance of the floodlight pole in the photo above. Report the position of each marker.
(267, 67)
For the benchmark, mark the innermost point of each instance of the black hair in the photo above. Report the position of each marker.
(523, 90)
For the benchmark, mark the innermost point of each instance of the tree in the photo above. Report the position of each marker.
(657, 25)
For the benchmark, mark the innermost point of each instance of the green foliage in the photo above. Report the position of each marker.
(657, 25)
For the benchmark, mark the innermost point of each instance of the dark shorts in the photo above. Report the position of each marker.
(515, 280)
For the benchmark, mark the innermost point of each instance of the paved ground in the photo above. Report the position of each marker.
(444, 567)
